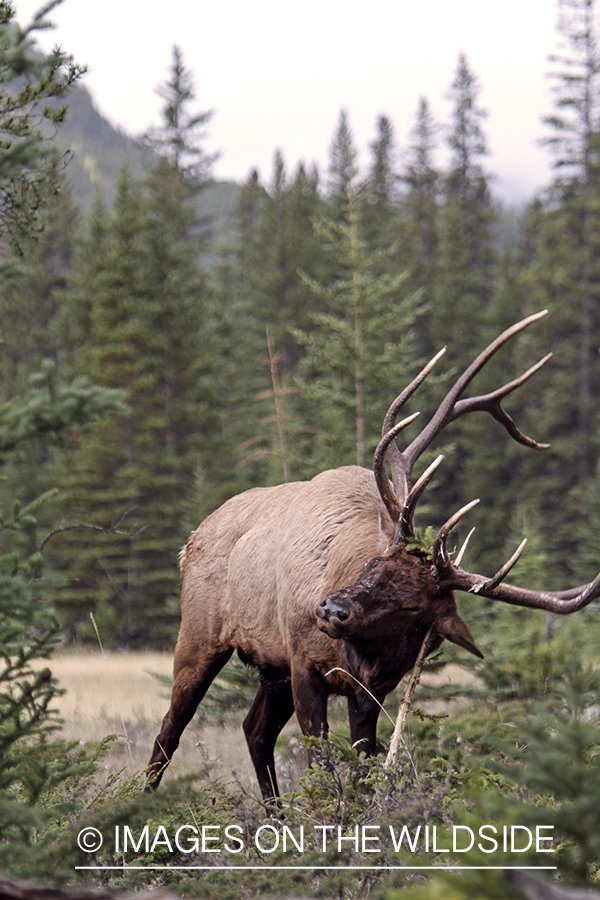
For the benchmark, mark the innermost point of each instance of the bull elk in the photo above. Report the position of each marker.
(315, 583)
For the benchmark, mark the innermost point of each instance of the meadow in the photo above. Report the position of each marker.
(118, 693)
(441, 782)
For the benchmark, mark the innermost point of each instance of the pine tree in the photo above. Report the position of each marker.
(380, 210)
(419, 228)
(178, 137)
(361, 348)
(47, 409)
(562, 273)
(466, 254)
(29, 161)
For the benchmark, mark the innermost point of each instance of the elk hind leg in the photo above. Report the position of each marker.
(191, 680)
(271, 708)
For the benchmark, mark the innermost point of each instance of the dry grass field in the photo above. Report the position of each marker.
(116, 693)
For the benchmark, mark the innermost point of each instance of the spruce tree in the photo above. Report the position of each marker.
(463, 275)
(419, 228)
(361, 348)
(286, 244)
(45, 409)
(555, 762)
(380, 211)
(139, 314)
(104, 325)
(178, 138)
(31, 88)
(574, 141)
(561, 272)
(258, 288)
(141, 323)
(28, 309)
(235, 282)
(30, 762)
(343, 168)
(466, 253)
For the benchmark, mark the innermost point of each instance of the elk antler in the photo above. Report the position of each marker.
(452, 577)
(385, 489)
(401, 500)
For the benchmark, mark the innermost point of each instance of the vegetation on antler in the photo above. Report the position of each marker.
(422, 541)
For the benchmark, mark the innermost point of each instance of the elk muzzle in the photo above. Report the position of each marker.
(332, 612)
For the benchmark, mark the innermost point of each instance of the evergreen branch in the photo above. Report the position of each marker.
(104, 529)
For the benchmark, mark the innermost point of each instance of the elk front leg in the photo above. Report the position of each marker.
(271, 709)
(310, 702)
(191, 680)
(363, 712)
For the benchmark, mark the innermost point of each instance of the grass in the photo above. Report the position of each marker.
(116, 693)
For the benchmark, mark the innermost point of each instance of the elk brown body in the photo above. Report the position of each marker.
(312, 583)
(251, 576)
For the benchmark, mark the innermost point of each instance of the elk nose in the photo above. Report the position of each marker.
(330, 607)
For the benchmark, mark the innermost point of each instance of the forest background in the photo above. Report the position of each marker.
(261, 330)
(171, 341)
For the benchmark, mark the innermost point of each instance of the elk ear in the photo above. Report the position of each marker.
(454, 629)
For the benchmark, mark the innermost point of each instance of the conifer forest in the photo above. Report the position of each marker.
(161, 353)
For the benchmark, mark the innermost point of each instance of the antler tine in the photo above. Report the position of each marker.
(405, 523)
(440, 557)
(491, 403)
(462, 550)
(561, 602)
(399, 499)
(503, 572)
(401, 399)
(446, 408)
(385, 489)
(453, 578)
(400, 476)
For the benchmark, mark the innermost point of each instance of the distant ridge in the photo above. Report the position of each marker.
(99, 152)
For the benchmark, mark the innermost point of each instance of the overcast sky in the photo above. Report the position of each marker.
(277, 73)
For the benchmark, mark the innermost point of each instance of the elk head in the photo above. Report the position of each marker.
(393, 593)
(405, 589)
